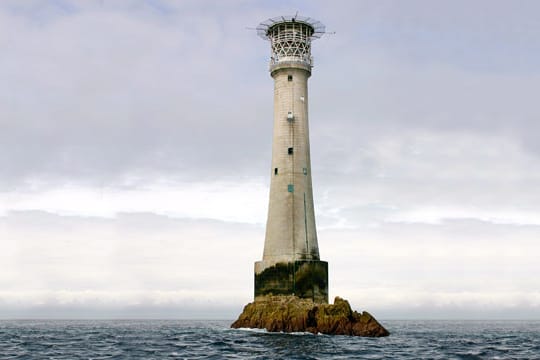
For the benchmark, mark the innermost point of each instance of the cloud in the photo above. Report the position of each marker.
(120, 93)
(136, 142)
(101, 92)
(132, 260)
(427, 177)
(210, 200)
(456, 269)
(168, 266)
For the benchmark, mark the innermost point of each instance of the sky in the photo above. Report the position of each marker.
(135, 149)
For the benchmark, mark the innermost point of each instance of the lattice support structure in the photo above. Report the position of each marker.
(290, 38)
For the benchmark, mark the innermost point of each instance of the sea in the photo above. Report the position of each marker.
(189, 339)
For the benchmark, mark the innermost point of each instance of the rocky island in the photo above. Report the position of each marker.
(288, 313)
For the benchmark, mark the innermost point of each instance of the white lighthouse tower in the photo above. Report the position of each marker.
(291, 263)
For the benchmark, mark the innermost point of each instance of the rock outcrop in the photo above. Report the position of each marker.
(291, 314)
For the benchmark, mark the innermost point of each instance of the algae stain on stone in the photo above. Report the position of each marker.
(303, 278)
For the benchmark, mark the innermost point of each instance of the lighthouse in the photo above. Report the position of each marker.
(291, 263)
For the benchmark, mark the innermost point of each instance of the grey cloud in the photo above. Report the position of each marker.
(98, 93)
(145, 265)
(419, 112)
(185, 311)
(133, 253)
(113, 94)
(426, 176)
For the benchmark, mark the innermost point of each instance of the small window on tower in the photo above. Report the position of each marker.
(275, 171)
(305, 171)
(290, 188)
(290, 151)
(289, 77)
(290, 116)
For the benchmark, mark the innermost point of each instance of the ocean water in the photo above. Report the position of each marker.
(187, 339)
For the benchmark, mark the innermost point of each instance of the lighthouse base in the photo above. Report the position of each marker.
(306, 279)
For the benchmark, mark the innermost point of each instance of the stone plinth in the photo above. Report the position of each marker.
(307, 279)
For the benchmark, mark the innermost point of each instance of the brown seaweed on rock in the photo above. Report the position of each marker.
(289, 313)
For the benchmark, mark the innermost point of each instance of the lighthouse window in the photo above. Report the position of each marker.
(290, 116)
(275, 171)
(290, 151)
(305, 171)
(289, 77)
(290, 188)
